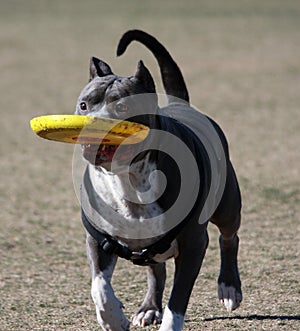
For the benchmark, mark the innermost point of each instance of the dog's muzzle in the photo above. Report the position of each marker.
(99, 154)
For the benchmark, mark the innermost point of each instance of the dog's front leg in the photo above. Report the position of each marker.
(150, 311)
(108, 308)
(192, 248)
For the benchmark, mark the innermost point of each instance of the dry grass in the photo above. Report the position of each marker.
(241, 63)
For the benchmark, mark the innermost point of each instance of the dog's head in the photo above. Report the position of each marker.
(108, 95)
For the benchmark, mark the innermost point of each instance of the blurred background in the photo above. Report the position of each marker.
(240, 60)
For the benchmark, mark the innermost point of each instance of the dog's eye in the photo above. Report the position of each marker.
(83, 106)
(122, 108)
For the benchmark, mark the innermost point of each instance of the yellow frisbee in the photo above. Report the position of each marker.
(77, 129)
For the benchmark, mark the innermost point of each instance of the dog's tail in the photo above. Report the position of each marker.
(171, 75)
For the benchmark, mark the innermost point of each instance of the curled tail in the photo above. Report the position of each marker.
(171, 75)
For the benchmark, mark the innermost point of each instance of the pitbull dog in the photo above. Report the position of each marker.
(102, 203)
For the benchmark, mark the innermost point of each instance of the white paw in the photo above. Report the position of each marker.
(108, 308)
(148, 317)
(171, 321)
(229, 296)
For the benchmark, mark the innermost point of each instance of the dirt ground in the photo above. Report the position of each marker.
(241, 63)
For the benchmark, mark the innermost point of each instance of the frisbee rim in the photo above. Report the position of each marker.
(82, 129)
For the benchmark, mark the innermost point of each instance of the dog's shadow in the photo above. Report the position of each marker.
(254, 317)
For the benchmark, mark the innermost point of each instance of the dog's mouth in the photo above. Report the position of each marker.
(100, 154)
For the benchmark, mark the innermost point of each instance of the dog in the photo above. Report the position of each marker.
(105, 95)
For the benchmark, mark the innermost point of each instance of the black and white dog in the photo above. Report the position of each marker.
(109, 204)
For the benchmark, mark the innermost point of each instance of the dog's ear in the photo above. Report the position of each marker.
(99, 68)
(144, 76)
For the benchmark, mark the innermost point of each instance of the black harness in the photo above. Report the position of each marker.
(112, 246)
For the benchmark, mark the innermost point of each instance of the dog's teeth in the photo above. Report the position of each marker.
(103, 148)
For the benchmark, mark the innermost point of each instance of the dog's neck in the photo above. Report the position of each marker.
(130, 181)
(131, 187)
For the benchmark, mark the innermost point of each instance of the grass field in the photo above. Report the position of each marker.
(241, 63)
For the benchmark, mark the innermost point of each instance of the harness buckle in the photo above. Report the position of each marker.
(144, 257)
(138, 255)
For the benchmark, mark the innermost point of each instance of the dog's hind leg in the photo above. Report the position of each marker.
(150, 311)
(229, 284)
(227, 218)
(108, 308)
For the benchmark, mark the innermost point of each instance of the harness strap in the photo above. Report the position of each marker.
(112, 246)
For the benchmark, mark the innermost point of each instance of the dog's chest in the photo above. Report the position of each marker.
(130, 195)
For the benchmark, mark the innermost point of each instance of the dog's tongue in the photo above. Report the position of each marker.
(98, 155)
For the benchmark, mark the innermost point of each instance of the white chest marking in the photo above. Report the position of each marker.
(121, 204)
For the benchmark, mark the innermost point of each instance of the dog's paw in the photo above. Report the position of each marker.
(109, 311)
(112, 320)
(147, 317)
(229, 296)
(117, 323)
